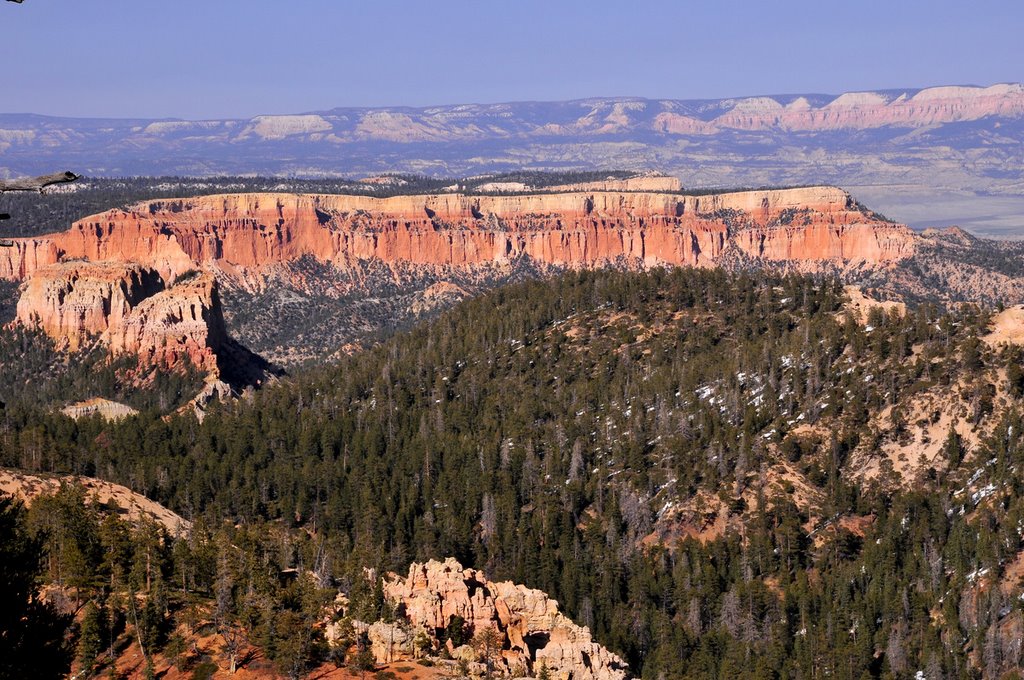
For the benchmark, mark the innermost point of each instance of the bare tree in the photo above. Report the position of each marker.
(488, 518)
(31, 184)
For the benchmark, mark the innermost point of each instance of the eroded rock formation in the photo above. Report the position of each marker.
(126, 306)
(533, 631)
(72, 301)
(105, 408)
(184, 320)
(106, 275)
(27, 487)
(857, 111)
(246, 232)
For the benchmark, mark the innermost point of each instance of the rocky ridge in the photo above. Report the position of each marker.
(106, 275)
(105, 408)
(911, 108)
(27, 487)
(240, 233)
(533, 633)
(857, 110)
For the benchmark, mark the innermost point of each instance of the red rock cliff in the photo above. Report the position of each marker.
(72, 301)
(105, 275)
(184, 320)
(126, 306)
(575, 229)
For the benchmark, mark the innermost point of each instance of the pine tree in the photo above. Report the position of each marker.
(91, 636)
(32, 631)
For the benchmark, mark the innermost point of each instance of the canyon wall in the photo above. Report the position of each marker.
(574, 229)
(182, 321)
(72, 301)
(127, 307)
(107, 275)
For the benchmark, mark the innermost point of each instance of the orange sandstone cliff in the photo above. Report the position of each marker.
(107, 275)
(127, 307)
(184, 320)
(533, 632)
(72, 301)
(574, 229)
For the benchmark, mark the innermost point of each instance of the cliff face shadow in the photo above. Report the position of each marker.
(242, 368)
(8, 301)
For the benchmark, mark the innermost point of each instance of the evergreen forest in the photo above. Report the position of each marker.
(722, 475)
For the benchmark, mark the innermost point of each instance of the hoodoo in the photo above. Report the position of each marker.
(534, 634)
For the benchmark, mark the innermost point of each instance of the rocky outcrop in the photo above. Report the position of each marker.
(27, 487)
(127, 307)
(74, 301)
(182, 321)
(105, 408)
(243, 233)
(389, 642)
(437, 296)
(534, 632)
(214, 389)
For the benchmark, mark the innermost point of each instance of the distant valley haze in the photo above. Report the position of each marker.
(927, 157)
(203, 88)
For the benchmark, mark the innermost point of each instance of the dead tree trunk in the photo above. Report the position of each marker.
(31, 184)
(36, 183)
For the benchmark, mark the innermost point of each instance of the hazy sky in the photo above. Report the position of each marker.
(238, 58)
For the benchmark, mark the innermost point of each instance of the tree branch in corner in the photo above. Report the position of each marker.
(36, 183)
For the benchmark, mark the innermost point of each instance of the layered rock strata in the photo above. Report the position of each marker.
(106, 275)
(534, 632)
(127, 307)
(182, 321)
(105, 408)
(72, 301)
(856, 111)
(247, 232)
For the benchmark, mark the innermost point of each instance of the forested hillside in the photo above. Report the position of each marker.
(34, 371)
(722, 475)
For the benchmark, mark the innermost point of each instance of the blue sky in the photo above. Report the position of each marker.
(238, 58)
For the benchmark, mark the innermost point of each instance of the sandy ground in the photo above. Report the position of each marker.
(1007, 327)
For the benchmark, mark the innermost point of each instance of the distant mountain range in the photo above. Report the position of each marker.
(928, 153)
